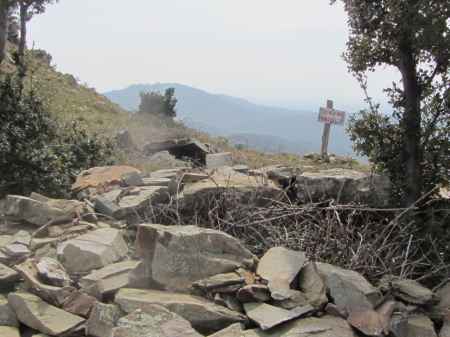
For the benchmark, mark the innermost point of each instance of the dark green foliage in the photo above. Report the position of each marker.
(412, 36)
(158, 104)
(38, 154)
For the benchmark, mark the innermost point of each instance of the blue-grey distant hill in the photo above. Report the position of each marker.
(272, 129)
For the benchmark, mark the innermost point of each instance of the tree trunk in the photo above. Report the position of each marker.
(4, 16)
(23, 31)
(412, 149)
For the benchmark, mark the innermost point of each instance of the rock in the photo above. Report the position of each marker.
(176, 256)
(445, 330)
(156, 322)
(234, 330)
(107, 203)
(19, 208)
(156, 181)
(132, 179)
(205, 317)
(7, 315)
(180, 148)
(16, 251)
(254, 293)
(346, 296)
(326, 326)
(51, 272)
(357, 280)
(225, 180)
(280, 266)
(51, 294)
(192, 177)
(103, 319)
(442, 307)
(101, 177)
(229, 301)
(241, 168)
(313, 286)
(79, 304)
(412, 292)
(39, 315)
(413, 326)
(219, 281)
(165, 159)
(8, 277)
(141, 198)
(9, 331)
(168, 173)
(109, 279)
(21, 238)
(268, 316)
(344, 186)
(93, 250)
(371, 322)
(296, 299)
(216, 160)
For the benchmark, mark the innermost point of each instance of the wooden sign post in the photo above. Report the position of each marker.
(329, 116)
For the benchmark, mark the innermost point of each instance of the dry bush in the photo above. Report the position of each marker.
(373, 242)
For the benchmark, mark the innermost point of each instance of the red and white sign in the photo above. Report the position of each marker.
(331, 116)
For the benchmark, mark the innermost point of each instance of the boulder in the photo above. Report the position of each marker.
(79, 304)
(234, 330)
(280, 266)
(101, 177)
(344, 186)
(7, 315)
(156, 321)
(205, 317)
(19, 208)
(176, 256)
(357, 280)
(216, 160)
(9, 331)
(217, 282)
(442, 307)
(93, 250)
(268, 316)
(103, 319)
(51, 272)
(254, 293)
(371, 322)
(132, 179)
(8, 277)
(413, 326)
(108, 280)
(39, 315)
(412, 292)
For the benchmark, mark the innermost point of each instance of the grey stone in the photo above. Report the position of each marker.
(176, 256)
(280, 266)
(109, 279)
(357, 280)
(103, 319)
(8, 276)
(216, 160)
(156, 181)
(39, 315)
(93, 250)
(219, 281)
(7, 315)
(9, 331)
(132, 179)
(412, 292)
(344, 186)
(268, 316)
(205, 317)
(16, 250)
(254, 293)
(234, 330)
(52, 272)
(313, 286)
(413, 326)
(442, 307)
(155, 322)
(144, 197)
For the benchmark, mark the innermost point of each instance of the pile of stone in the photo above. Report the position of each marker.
(78, 278)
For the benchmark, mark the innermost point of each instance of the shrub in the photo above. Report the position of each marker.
(159, 104)
(37, 153)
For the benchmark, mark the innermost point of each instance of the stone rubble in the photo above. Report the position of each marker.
(65, 273)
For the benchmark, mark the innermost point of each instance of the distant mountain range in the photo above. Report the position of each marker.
(265, 128)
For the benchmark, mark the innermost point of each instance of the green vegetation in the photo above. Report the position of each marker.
(155, 103)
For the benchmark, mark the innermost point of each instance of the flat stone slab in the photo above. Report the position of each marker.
(109, 279)
(103, 319)
(176, 256)
(9, 331)
(216, 160)
(268, 316)
(205, 317)
(313, 285)
(156, 322)
(280, 266)
(45, 318)
(412, 292)
(101, 177)
(414, 326)
(7, 315)
(8, 276)
(93, 250)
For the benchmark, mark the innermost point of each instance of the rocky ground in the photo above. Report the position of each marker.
(94, 266)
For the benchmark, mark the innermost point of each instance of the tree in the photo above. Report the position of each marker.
(158, 104)
(414, 37)
(6, 6)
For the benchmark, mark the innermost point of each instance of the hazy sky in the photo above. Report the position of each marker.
(284, 51)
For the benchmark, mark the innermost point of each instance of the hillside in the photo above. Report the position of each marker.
(230, 116)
